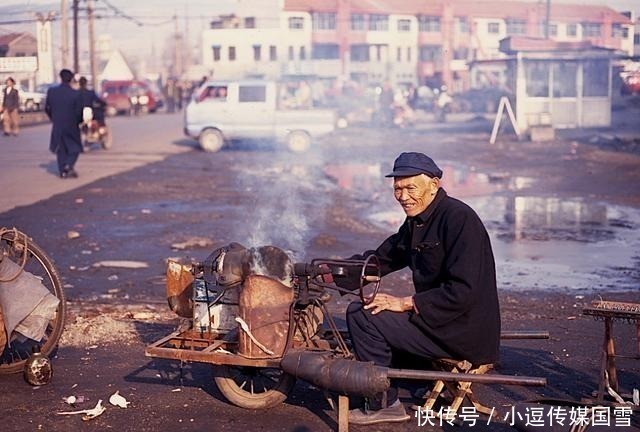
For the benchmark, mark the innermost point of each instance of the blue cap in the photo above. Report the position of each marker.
(412, 163)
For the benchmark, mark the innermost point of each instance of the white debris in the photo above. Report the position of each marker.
(145, 211)
(72, 235)
(122, 264)
(88, 413)
(79, 200)
(193, 242)
(118, 400)
(113, 278)
(70, 400)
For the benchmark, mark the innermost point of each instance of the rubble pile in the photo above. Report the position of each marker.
(626, 144)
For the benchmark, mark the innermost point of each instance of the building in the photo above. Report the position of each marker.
(403, 41)
(19, 58)
(18, 45)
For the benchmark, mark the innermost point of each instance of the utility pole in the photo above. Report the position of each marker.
(177, 66)
(76, 60)
(92, 47)
(64, 14)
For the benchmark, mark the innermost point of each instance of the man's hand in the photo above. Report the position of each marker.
(390, 303)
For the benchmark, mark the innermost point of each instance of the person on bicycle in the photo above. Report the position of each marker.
(454, 312)
(91, 100)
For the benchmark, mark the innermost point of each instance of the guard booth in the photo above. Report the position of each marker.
(559, 84)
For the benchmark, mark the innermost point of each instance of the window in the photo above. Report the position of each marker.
(516, 27)
(408, 54)
(273, 53)
(564, 79)
(303, 53)
(256, 93)
(618, 31)
(553, 30)
(250, 22)
(358, 22)
(461, 53)
(537, 76)
(378, 52)
(378, 22)
(429, 24)
(463, 25)
(257, 52)
(404, 25)
(399, 54)
(591, 29)
(296, 23)
(291, 55)
(323, 21)
(325, 51)
(595, 78)
(493, 27)
(572, 30)
(232, 53)
(430, 53)
(216, 52)
(359, 53)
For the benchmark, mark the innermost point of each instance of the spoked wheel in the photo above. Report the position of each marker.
(370, 274)
(38, 263)
(253, 388)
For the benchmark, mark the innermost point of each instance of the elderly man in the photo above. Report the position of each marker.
(454, 312)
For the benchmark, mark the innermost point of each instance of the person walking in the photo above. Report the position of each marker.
(64, 109)
(10, 106)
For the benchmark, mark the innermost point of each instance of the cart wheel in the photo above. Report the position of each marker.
(368, 297)
(107, 140)
(13, 358)
(253, 388)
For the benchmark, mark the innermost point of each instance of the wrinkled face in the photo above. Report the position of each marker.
(415, 193)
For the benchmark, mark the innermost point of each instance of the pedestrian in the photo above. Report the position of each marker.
(10, 107)
(454, 312)
(64, 108)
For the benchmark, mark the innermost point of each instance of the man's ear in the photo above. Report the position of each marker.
(434, 185)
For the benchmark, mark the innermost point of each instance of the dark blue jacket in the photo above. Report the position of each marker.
(64, 108)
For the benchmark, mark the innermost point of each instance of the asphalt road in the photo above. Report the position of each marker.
(154, 190)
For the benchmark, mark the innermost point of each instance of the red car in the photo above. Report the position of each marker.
(129, 97)
(631, 83)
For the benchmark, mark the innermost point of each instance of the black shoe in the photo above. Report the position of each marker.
(72, 173)
(395, 413)
(7, 134)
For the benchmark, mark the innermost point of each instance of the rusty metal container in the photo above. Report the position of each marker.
(264, 306)
(180, 289)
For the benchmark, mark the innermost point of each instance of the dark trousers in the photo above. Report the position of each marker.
(375, 338)
(66, 159)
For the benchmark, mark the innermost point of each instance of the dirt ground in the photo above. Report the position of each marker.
(208, 200)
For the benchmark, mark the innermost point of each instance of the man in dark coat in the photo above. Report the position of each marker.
(91, 100)
(10, 106)
(64, 108)
(455, 312)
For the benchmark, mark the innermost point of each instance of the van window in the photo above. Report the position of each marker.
(256, 93)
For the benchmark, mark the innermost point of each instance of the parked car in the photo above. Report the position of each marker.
(128, 97)
(29, 100)
(220, 112)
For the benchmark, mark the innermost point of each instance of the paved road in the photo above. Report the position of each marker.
(28, 171)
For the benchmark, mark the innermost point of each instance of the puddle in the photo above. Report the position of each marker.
(539, 242)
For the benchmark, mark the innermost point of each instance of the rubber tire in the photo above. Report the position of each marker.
(211, 140)
(107, 141)
(224, 378)
(58, 323)
(298, 141)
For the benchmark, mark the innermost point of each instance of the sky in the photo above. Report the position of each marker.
(139, 41)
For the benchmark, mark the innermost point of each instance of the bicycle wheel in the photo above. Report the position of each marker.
(252, 387)
(38, 263)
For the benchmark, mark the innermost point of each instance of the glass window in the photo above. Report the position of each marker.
(591, 29)
(257, 52)
(430, 53)
(232, 53)
(463, 25)
(404, 25)
(250, 22)
(378, 22)
(323, 21)
(564, 79)
(303, 53)
(429, 24)
(399, 54)
(257, 93)
(461, 53)
(516, 27)
(595, 78)
(537, 76)
(296, 23)
(216, 52)
(358, 22)
(493, 27)
(273, 53)
(408, 54)
(572, 30)
(359, 53)
(325, 51)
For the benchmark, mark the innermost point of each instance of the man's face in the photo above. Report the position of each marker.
(415, 193)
